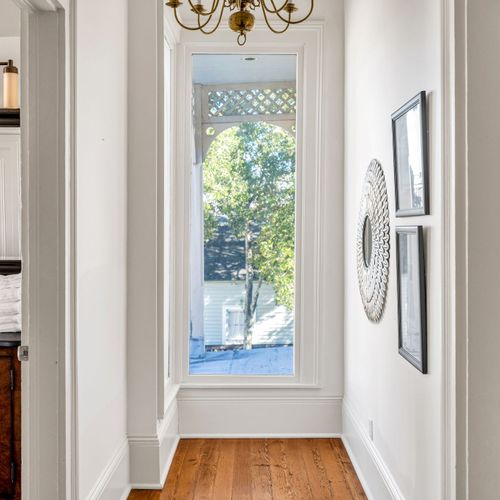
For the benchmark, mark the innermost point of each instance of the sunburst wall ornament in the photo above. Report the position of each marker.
(242, 19)
(373, 242)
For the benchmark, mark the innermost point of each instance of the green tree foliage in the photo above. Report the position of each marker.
(249, 180)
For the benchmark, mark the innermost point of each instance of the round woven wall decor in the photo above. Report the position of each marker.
(373, 242)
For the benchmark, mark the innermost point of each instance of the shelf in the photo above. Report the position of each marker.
(10, 117)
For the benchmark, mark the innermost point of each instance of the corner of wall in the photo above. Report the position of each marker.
(114, 484)
(371, 469)
(151, 456)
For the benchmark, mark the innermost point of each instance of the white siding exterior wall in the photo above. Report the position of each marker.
(273, 324)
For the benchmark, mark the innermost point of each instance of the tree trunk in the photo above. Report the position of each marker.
(248, 313)
(247, 309)
(251, 297)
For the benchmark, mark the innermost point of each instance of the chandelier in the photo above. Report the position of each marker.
(242, 19)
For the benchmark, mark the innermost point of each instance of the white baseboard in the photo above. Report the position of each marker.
(377, 481)
(262, 436)
(126, 492)
(240, 417)
(151, 456)
(114, 484)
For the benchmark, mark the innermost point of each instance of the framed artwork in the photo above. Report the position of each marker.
(412, 308)
(411, 157)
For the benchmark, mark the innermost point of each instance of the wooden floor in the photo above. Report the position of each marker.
(259, 469)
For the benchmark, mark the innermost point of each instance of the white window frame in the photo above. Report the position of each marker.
(306, 44)
(164, 226)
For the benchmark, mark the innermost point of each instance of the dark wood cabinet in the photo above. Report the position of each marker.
(10, 424)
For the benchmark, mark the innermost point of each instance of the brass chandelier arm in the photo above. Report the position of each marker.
(215, 4)
(242, 19)
(190, 28)
(209, 32)
(278, 12)
(274, 10)
(274, 30)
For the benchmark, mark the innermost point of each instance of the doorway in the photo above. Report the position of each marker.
(43, 232)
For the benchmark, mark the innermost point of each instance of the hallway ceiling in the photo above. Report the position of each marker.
(234, 68)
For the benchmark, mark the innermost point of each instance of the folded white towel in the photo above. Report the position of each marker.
(10, 307)
(12, 280)
(12, 318)
(10, 303)
(10, 328)
(10, 289)
(10, 294)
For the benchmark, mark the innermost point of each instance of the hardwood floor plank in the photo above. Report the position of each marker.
(207, 471)
(175, 470)
(259, 469)
(225, 471)
(298, 476)
(144, 495)
(280, 475)
(334, 470)
(315, 469)
(184, 488)
(352, 479)
(242, 477)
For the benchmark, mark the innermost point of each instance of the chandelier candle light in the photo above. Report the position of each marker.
(10, 85)
(242, 19)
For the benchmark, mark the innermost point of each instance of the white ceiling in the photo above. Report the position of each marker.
(233, 68)
(10, 19)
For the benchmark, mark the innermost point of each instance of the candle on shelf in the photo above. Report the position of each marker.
(10, 85)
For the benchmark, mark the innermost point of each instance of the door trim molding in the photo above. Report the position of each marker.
(47, 136)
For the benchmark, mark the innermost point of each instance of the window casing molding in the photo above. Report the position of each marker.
(306, 43)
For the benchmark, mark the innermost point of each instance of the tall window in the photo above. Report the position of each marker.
(243, 216)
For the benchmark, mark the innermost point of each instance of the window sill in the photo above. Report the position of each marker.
(248, 385)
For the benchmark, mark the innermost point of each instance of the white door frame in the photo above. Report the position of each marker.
(48, 404)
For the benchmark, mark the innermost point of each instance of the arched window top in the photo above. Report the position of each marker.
(219, 107)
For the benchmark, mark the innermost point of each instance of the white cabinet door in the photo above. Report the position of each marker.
(10, 195)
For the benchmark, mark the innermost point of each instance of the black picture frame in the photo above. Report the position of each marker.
(412, 296)
(402, 149)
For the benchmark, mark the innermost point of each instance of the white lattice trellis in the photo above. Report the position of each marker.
(218, 107)
(251, 102)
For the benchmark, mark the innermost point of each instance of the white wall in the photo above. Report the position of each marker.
(478, 153)
(392, 52)
(10, 19)
(101, 195)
